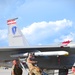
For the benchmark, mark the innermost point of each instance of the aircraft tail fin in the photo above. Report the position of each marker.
(16, 38)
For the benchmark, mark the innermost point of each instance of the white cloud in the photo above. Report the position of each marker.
(3, 34)
(42, 30)
(62, 24)
(70, 37)
(52, 26)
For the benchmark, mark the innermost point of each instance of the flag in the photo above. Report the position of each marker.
(11, 21)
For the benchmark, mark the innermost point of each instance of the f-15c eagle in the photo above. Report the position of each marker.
(60, 56)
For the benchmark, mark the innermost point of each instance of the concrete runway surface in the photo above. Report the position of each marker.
(8, 72)
(5, 71)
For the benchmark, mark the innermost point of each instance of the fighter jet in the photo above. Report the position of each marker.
(60, 56)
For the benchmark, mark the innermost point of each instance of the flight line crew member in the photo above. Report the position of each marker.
(73, 69)
(32, 65)
(16, 69)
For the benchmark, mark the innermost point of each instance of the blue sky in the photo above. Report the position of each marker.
(41, 21)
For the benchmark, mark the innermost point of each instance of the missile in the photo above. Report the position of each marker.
(50, 53)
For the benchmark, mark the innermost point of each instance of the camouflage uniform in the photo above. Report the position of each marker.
(32, 68)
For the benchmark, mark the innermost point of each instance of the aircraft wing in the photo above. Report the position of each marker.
(6, 53)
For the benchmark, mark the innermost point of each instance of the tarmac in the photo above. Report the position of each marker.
(4, 71)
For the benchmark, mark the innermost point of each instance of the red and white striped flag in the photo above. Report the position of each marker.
(11, 21)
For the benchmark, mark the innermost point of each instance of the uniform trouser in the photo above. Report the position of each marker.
(36, 71)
